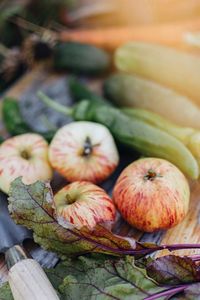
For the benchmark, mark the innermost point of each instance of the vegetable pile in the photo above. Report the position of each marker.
(151, 193)
(111, 277)
(132, 132)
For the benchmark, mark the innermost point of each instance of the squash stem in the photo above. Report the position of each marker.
(55, 105)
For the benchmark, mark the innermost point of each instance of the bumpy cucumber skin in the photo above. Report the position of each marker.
(81, 58)
(140, 136)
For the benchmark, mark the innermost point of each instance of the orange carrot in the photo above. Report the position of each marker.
(171, 34)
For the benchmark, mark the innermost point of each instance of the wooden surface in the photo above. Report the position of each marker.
(186, 232)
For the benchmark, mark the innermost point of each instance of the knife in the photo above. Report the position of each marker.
(26, 277)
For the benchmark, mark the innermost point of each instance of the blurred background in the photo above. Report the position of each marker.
(30, 28)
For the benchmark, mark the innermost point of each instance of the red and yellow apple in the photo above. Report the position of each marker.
(82, 203)
(84, 151)
(24, 155)
(152, 194)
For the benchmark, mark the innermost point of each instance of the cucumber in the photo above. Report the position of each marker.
(139, 135)
(188, 136)
(181, 133)
(132, 132)
(79, 92)
(81, 58)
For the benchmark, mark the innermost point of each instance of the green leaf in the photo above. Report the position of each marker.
(5, 292)
(100, 279)
(173, 270)
(9, 9)
(97, 277)
(31, 206)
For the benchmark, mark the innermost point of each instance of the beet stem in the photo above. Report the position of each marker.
(169, 292)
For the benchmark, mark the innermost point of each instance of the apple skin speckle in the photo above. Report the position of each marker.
(13, 164)
(67, 156)
(89, 205)
(155, 203)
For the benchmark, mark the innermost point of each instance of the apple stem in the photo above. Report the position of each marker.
(87, 148)
(55, 105)
(69, 199)
(151, 175)
(25, 154)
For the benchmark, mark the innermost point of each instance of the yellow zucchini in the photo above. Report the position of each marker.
(172, 68)
(134, 91)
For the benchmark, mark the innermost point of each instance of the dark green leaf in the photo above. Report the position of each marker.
(31, 205)
(92, 279)
(98, 279)
(173, 270)
(14, 121)
(143, 262)
(9, 8)
(12, 118)
(5, 292)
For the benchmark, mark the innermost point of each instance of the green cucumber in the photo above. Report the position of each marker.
(181, 133)
(80, 92)
(132, 132)
(139, 135)
(81, 58)
(190, 137)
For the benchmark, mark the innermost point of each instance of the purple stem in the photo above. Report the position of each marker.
(194, 257)
(144, 251)
(158, 248)
(168, 292)
(169, 247)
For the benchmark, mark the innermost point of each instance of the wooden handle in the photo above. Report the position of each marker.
(28, 281)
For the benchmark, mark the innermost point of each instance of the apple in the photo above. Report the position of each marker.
(152, 194)
(83, 203)
(24, 155)
(84, 151)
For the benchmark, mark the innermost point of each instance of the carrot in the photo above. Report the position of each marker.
(130, 12)
(171, 34)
